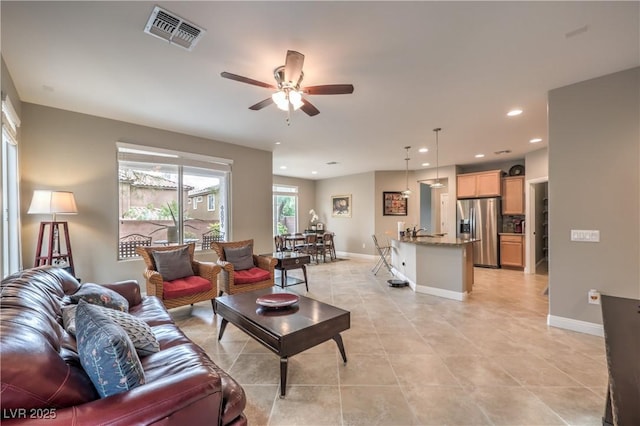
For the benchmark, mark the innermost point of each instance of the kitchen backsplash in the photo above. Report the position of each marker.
(513, 224)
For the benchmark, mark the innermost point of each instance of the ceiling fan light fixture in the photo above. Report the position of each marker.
(295, 98)
(280, 99)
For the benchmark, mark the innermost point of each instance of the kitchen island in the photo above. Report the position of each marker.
(440, 266)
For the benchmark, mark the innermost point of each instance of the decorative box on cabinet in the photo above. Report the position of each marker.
(513, 195)
(480, 184)
(512, 250)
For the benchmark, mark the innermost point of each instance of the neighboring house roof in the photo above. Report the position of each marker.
(146, 180)
(203, 191)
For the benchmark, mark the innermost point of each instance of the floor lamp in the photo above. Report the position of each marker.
(52, 253)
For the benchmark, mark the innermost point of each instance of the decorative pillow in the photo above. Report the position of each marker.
(106, 352)
(240, 257)
(138, 331)
(69, 318)
(173, 264)
(99, 295)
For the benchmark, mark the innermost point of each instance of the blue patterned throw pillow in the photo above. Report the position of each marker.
(99, 295)
(106, 352)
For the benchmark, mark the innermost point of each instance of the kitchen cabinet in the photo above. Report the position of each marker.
(512, 250)
(480, 184)
(513, 195)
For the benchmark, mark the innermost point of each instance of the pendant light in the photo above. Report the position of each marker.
(407, 192)
(437, 183)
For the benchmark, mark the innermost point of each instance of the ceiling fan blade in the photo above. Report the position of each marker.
(293, 66)
(308, 108)
(262, 104)
(247, 80)
(329, 89)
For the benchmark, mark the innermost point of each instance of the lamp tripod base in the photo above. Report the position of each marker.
(397, 283)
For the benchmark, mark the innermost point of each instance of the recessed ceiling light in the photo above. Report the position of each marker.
(503, 151)
(536, 140)
(278, 143)
(425, 164)
(314, 172)
(283, 167)
(514, 112)
(479, 155)
(423, 150)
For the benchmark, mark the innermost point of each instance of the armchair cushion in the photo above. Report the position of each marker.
(99, 295)
(185, 286)
(106, 352)
(251, 275)
(240, 257)
(173, 264)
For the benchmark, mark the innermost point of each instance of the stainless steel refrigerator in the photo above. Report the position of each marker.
(481, 218)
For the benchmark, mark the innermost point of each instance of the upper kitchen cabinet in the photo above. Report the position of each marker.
(513, 195)
(480, 184)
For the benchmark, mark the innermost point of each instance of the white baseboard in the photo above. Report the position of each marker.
(357, 255)
(433, 291)
(447, 294)
(576, 325)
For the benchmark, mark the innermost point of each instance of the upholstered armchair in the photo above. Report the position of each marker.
(242, 270)
(176, 278)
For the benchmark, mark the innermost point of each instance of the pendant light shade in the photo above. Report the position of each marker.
(437, 183)
(407, 192)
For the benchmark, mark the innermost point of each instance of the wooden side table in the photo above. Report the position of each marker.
(288, 261)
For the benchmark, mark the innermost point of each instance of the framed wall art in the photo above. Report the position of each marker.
(341, 205)
(394, 204)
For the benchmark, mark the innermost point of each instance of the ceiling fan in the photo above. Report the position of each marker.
(289, 94)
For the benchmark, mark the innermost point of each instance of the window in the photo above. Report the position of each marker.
(10, 229)
(285, 209)
(160, 192)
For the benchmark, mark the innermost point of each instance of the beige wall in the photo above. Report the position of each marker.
(8, 87)
(77, 152)
(594, 183)
(353, 234)
(537, 164)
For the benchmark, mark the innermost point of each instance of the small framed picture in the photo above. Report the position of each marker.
(394, 204)
(341, 205)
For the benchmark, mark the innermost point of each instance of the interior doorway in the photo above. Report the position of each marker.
(537, 233)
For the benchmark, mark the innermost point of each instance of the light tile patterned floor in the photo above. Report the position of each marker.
(420, 360)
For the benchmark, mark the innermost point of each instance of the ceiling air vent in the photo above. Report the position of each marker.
(172, 28)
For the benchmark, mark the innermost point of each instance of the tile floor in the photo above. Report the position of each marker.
(415, 359)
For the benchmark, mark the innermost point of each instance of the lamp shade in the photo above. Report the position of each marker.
(52, 202)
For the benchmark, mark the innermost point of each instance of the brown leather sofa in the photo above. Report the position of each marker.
(44, 383)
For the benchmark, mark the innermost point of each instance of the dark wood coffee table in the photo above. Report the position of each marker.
(285, 331)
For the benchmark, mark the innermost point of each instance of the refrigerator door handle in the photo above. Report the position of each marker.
(472, 222)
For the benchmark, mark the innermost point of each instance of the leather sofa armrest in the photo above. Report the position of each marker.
(130, 289)
(193, 397)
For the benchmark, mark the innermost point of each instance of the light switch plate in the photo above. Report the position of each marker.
(587, 236)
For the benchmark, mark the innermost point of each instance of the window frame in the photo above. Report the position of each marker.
(186, 164)
(279, 190)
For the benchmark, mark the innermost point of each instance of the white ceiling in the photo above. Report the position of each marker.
(415, 66)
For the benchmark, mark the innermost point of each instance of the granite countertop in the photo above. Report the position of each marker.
(511, 233)
(437, 241)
